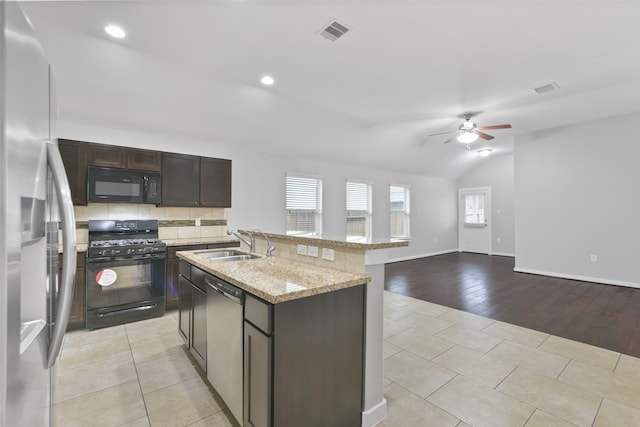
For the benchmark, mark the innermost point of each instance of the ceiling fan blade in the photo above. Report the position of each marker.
(495, 127)
(484, 135)
(449, 140)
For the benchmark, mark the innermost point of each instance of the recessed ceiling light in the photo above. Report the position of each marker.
(115, 31)
(267, 80)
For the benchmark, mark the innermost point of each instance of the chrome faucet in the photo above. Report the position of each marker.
(270, 247)
(251, 242)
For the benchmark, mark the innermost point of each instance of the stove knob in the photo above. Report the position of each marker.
(131, 251)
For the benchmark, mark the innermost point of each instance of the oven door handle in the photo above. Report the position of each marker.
(68, 223)
(120, 259)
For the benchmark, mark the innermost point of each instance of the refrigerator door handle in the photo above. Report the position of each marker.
(68, 223)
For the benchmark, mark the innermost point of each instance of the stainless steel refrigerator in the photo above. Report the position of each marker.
(35, 208)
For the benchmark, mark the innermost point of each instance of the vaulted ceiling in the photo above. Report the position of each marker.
(404, 70)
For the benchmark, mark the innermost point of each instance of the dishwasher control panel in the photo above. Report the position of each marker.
(227, 288)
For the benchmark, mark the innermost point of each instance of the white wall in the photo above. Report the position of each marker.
(577, 195)
(497, 173)
(258, 188)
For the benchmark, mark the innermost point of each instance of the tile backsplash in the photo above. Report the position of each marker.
(175, 223)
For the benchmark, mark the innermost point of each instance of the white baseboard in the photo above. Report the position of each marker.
(408, 258)
(375, 415)
(503, 254)
(576, 277)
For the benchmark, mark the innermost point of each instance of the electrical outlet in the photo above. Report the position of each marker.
(302, 250)
(435, 240)
(594, 258)
(498, 240)
(198, 222)
(312, 251)
(328, 254)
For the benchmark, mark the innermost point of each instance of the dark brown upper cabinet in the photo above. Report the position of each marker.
(74, 158)
(111, 156)
(195, 181)
(107, 156)
(180, 180)
(215, 182)
(144, 160)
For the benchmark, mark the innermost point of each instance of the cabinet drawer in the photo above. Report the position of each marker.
(185, 269)
(259, 313)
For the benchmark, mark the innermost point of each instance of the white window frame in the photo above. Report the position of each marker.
(474, 209)
(314, 206)
(368, 217)
(406, 213)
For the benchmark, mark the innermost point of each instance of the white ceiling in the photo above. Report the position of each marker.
(405, 69)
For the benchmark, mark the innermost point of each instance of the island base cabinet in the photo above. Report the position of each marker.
(257, 377)
(184, 310)
(304, 360)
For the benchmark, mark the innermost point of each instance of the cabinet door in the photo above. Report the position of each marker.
(184, 309)
(180, 180)
(172, 273)
(145, 160)
(108, 156)
(199, 326)
(74, 158)
(257, 377)
(215, 182)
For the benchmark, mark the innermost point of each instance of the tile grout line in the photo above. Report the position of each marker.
(135, 366)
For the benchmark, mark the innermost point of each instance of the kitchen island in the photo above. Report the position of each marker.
(303, 338)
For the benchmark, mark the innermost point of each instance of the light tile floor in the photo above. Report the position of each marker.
(443, 367)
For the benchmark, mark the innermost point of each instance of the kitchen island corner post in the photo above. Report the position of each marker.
(374, 404)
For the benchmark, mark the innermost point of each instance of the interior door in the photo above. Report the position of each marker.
(474, 220)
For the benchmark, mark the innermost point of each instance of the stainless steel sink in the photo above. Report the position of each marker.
(234, 258)
(225, 256)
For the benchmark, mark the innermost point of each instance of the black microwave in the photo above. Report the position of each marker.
(109, 185)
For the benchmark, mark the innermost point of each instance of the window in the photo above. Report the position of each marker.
(399, 202)
(474, 209)
(358, 211)
(304, 205)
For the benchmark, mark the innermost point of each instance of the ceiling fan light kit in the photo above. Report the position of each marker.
(467, 137)
(468, 132)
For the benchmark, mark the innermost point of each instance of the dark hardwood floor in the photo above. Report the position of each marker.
(603, 315)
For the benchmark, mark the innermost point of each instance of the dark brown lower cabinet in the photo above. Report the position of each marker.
(184, 309)
(77, 314)
(172, 293)
(303, 360)
(192, 322)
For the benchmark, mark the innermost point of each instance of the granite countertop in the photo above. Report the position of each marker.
(339, 242)
(275, 279)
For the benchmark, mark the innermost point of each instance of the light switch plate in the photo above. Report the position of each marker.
(312, 251)
(302, 249)
(328, 254)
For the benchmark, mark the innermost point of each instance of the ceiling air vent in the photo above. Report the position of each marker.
(334, 31)
(546, 88)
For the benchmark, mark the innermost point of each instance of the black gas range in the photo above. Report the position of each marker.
(125, 272)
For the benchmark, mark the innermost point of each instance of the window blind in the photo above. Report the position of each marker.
(399, 206)
(358, 210)
(303, 205)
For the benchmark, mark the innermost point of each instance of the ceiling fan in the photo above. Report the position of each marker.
(468, 132)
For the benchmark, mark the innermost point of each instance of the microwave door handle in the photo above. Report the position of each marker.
(67, 217)
(145, 188)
